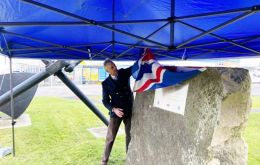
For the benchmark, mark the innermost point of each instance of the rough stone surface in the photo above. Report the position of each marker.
(217, 107)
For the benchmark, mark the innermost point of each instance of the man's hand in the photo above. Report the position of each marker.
(118, 112)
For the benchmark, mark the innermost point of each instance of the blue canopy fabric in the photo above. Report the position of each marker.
(120, 29)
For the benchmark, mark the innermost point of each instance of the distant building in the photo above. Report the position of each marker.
(30, 68)
(89, 72)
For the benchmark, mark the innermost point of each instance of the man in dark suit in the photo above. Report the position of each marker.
(118, 99)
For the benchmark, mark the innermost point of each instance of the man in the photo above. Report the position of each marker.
(118, 99)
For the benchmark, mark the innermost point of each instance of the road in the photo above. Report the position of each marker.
(255, 90)
(96, 90)
(64, 91)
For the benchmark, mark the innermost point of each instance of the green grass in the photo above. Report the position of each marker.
(255, 102)
(252, 137)
(58, 135)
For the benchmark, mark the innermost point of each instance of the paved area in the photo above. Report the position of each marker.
(22, 121)
(64, 91)
(101, 132)
(95, 90)
(255, 111)
(5, 151)
(255, 90)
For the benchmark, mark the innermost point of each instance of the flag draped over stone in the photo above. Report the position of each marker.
(149, 74)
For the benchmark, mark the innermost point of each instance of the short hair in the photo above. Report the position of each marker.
(108, 60)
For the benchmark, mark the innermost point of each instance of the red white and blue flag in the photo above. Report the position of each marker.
(149, 74)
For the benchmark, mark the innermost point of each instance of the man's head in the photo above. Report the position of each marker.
(110, 67)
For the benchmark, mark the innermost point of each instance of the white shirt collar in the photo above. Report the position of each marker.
(114, 77)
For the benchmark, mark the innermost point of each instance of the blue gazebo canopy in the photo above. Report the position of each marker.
(120, 29)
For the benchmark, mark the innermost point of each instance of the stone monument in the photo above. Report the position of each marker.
(217, 106)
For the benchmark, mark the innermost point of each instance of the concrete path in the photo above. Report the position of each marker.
(255, 90)
(255, 111)
(64, 91)
(22, 121)
(96, 90)
(101, 132)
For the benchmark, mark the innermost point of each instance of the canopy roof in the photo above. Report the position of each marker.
(120, 29)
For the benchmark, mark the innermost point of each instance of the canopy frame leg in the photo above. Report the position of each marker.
(12, 104)
(12, 94)
(51, 68)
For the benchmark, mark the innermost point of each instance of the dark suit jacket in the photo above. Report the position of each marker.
(118, 93)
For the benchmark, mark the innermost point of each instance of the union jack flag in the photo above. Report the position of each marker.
(149, 74)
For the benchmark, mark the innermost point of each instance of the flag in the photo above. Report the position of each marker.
(149, 74)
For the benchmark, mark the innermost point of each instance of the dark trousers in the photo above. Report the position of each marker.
(113, 127)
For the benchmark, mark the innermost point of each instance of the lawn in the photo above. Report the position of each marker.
(255, 102)
(252, 137)
(58, 135)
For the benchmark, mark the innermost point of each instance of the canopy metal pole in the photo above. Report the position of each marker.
(42, 51)
(113, 26)
(166, 55)
(247, 9)
(244, 42)
(220, 26)
(222, 50)
(225, 47)
(55, 47)
(111, 53)
(207, 52)
(12, 104)
(150, 35)
(33, 48)
(43, 41)
(52, 68)
(11, 94)
(172, 23)
(47, 51)
(77, 91)
(92, 22)
(137, 46)
(222, 38)
(47, 42)
(52, 51)
(248, 39)
(101, 51)
(199, 54)
(78, 23)
(33, 80)
(219, 42)
(17, 55)
(59, 52)
(81, 96)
